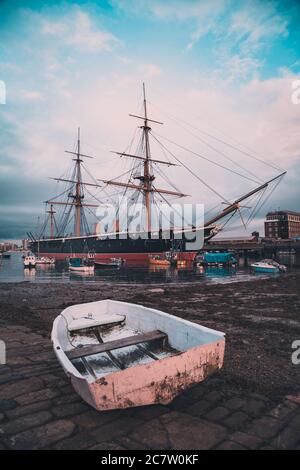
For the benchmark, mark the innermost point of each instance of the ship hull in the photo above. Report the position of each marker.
(135, 250)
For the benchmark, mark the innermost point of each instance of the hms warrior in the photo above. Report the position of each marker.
(136, 247)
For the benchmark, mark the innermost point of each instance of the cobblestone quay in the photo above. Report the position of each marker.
(252, 403)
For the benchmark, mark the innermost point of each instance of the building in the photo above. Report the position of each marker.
(7, 246)
(25, 244)
(235, 240)
(282, 224)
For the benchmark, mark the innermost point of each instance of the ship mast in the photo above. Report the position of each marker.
(148, 178)
(146, 186)
(236, 204)
(51, 212)
(78, 195)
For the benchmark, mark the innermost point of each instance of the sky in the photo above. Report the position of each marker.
(216, 70)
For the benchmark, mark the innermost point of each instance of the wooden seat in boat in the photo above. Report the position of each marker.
(90, 322)
(115, 344)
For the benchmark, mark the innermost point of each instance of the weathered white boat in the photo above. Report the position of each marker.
(119, 355)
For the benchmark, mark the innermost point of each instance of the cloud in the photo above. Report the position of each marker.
(125, 60)
(11, 67)
(55, 28)
(255, 24)
(239, 67)
(79, 31)
(238, 31)
(150, 70)
(32, 95)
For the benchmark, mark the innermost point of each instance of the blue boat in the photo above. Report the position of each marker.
(216, 259)
(268, 266)
(81, 264)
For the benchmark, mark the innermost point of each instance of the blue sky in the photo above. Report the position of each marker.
(224, 66)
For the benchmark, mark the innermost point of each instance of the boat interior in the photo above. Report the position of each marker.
(107, 336)
(103, 349)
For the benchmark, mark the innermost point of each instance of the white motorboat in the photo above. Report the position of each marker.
(29, 261)
(268, 266)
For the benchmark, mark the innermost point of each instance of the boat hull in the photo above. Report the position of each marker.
(156, 383)
(161, 262)
(106, 265)
(272, 270)
(132, 250)
(82, 269)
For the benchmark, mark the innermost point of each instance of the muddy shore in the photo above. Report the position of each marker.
(260, 319)
(253, 402)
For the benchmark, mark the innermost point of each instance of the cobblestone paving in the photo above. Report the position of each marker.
(40, 410)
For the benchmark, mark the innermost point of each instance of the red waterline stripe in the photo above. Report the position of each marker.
(134, 257)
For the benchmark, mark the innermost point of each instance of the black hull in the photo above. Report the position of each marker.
(127, 248)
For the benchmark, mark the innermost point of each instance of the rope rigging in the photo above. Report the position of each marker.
(182, 147)
(191, 171)
(250, 155)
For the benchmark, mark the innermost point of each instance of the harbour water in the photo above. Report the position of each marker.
(12, 270)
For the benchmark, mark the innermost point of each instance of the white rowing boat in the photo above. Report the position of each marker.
(119, 355)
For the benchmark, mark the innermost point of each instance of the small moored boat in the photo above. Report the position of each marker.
(111, 263)
(44, 260)
(268, 266)
(29, 261)
(217, 259)
(119, 355)
(158, 261)
(81, 265)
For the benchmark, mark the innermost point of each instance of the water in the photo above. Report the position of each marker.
(11, 270)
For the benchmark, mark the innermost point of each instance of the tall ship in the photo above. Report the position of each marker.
(150, 237)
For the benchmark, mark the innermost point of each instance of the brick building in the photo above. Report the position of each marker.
(282, 224)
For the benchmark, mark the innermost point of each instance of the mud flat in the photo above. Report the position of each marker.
(254, 402)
